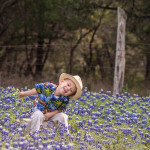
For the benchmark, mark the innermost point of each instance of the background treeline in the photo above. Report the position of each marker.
(40, 39)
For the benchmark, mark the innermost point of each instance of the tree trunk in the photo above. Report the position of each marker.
(73, 49)
(39, 57)
(100, 62)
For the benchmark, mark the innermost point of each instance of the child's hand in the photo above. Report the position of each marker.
(46, 116)
(21, 94)
(51, 114)
(60, 111)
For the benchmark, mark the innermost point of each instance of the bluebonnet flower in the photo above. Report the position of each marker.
(74, 130)
(134, 136)
(78, 138)
(7, 145)
(78, 133)
(71, 137)
(71, 146)
(143, 142)
(147, 140)
(15, 144)
(89, 122)
(147, 135)
(141, 134)
(64, 147)
(116, 130)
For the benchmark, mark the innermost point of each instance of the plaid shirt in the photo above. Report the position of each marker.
(46, 93)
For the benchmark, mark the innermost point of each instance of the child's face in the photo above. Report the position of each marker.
(66, 87)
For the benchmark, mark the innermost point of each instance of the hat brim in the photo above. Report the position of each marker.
(79, 90)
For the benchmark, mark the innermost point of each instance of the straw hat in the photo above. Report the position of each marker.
(77, 81)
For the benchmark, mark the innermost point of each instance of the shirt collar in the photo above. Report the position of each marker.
(60, 96)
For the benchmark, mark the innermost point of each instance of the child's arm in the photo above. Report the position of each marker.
(27, 93)
(51, 114)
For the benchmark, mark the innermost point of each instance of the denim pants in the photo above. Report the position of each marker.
(37, 119)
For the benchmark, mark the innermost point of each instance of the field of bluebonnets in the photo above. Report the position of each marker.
(96, 121)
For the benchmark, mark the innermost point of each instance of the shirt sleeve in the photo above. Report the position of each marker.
(39, 87)
(50, 85)
(45, 88)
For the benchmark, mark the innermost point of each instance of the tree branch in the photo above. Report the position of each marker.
(104, 7)
(74, 47)
(92, 38)
(7, 4)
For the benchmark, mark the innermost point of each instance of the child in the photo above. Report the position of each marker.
(52, 99)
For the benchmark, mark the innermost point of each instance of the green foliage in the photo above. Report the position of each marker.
(62, 26)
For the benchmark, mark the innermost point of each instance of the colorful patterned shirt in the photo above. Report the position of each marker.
(46, 93)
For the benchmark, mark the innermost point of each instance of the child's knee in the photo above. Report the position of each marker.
(37, 114)
(59, 117)
(64, 115)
